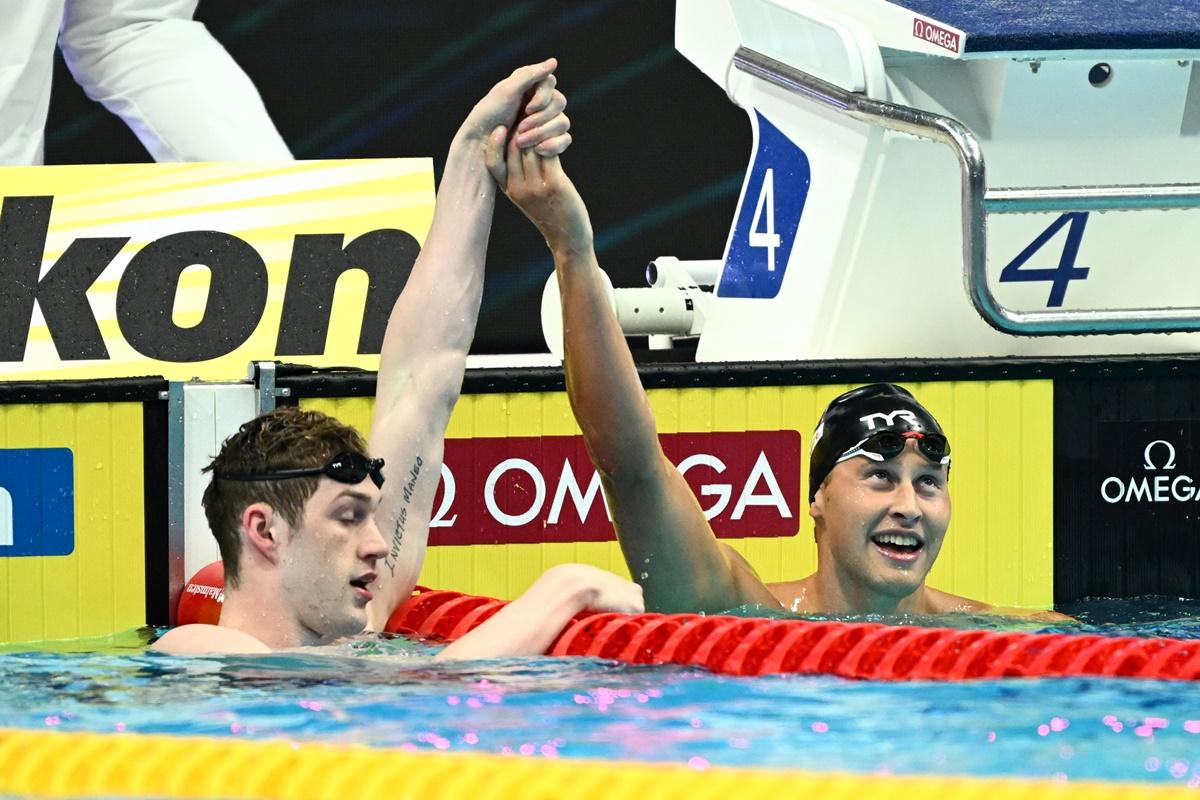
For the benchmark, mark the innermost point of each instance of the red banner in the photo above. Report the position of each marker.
(545, 489)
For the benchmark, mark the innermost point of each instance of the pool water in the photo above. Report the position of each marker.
(388, 694)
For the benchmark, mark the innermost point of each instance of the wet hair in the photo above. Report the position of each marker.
(286, 438)
(855, 415)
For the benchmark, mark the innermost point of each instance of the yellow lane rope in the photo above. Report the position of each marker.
(55, 764)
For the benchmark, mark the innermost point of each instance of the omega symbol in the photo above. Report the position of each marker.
(1148, 463)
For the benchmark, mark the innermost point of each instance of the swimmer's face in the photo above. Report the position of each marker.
(331, 557)
(883, 523)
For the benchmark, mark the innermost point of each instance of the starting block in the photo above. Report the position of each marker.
(957, 178)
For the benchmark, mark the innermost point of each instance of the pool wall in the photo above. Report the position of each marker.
(999, 546)
(82, 464)
(1072, 478)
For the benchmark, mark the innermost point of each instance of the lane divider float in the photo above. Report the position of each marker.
(757, 646)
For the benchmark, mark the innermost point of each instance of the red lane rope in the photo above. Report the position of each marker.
(746, 646)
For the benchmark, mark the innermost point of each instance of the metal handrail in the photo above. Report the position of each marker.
(1092, 198)
(977, 202)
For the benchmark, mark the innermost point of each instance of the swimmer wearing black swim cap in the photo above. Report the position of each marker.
(878, 493)
(872, 419)
(880, 463)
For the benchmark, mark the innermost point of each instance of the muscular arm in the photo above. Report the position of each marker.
(529, 625)
(431, 326)
(421, 368)
(172, 83)
(668, 544)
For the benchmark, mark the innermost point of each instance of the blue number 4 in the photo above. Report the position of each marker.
(1066, 270)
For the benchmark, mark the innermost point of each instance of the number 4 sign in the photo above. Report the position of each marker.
(774, 195)
(768, 238)
(1059, 277)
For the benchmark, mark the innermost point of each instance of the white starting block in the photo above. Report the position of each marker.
(866, 207)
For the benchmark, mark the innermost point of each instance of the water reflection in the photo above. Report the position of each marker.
(388, 693)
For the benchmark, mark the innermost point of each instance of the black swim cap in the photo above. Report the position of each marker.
(857, 414)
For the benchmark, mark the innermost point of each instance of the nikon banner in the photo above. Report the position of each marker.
(194, 270)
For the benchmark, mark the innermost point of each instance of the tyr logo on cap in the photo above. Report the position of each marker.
(890, 419)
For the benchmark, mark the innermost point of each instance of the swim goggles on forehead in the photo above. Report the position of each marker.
(889, 444)
(346, 467)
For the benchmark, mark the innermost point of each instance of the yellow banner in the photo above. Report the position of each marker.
(194, 270)
(999, 549)
(85, 578)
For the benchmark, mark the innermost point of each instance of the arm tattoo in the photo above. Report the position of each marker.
(406, 494)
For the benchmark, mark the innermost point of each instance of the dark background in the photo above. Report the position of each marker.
(1101, 428)
(659, 151)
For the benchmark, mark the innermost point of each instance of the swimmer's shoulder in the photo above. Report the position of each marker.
(939, 602)
(799, 596)
(946, 603)
(1027, 613)
(750, 587)
(192, 640)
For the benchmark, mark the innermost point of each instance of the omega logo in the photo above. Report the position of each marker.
(760, 488)
(1147, 463)
(1152, 488)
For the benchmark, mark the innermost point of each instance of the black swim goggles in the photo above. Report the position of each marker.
(889, 444)
(347, 467)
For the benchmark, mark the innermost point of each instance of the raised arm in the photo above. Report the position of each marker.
(668, 544)
(433, 322)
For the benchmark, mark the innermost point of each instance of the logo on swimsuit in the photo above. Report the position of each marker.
(1152, 488)
(889, 419)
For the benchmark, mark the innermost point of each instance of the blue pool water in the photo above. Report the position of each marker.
(387, 694)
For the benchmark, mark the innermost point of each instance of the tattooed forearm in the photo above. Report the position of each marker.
(397, 539)
(406, 495)
(413, 473)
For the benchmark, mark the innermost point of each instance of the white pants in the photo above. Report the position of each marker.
(148, 62)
